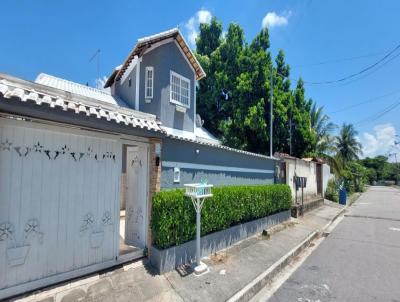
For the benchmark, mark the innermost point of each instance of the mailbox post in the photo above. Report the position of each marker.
(301, 182)
(198, 193)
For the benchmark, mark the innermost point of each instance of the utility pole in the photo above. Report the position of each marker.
(397, 167)
(290, 135)
(271, 107)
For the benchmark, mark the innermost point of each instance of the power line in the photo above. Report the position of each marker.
(365, 102)
(340, 60)
(378, 115)
(359, 72)
(372, 68)
(367, 74)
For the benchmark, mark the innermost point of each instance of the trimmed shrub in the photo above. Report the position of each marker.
(332, 191)
(173, 219)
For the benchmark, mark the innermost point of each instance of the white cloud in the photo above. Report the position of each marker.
(100, 82)
(272, 19)
(192, 25)
(380, 142)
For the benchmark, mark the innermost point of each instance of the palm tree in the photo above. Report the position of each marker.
(348, 147)
(323, 129)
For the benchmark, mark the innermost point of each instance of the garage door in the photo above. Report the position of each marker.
(59, 200)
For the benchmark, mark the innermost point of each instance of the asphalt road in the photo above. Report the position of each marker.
(358, 261)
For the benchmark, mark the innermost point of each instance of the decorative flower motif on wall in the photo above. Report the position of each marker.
(96, 235)
(139, 215)
(64, 149)
(6, 145)
(106, 219)
(17, 252)
(32, 228)
(6, 231)
(77, 156)
(38, 147)
(22, 151)
(88, 221)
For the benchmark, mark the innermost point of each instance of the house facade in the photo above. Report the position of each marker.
(79, 166)
(315, 170)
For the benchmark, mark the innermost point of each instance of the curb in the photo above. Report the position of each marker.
(251, 289)
(246, 293)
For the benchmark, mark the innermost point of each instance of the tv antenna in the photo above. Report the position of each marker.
(96, 56)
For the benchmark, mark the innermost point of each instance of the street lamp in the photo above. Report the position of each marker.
(198, 193)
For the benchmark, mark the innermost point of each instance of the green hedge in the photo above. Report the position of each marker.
(173, 219)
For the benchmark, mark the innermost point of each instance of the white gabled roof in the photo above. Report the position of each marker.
(145, 43)
(72, 87)
(26, 92)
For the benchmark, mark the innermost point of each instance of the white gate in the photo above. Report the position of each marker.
(59, 201)
(136, 202)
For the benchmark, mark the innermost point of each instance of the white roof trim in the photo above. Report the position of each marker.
(158, 44)
(127, 73)
(191, 137)
(159, 35)
(24, 91)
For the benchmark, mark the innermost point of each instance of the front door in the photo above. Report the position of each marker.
(136, 201)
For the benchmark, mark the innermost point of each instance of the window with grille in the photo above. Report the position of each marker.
(180, 90)
(149, 80)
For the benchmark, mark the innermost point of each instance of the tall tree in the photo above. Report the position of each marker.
(282, 104)
(234, 99)
(209, 38)
(209, 95)
(303, 138)
(349, 148)
(322, 128)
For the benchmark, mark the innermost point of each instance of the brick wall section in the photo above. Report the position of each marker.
(155, 175)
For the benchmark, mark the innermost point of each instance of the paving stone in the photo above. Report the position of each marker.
(100, 288)
(128, 295)
(49, 299)
(153, 287)
(124, 280)
(168, 296)
(74, 296)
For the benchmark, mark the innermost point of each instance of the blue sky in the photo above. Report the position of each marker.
(60, 37)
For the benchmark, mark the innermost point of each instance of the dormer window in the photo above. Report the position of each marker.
(149, 81)
(179, 90)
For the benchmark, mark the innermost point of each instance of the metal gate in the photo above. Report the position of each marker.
(59, 202)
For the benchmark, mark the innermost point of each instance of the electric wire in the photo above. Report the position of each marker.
(365, 102)
(340, 60)
(378, 115)
(345, 78)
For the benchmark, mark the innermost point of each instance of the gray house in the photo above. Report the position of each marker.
(159, 77)
(79, 165)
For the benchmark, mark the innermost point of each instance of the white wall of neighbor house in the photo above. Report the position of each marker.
(303, 169)
(326, 176)
(59, 201)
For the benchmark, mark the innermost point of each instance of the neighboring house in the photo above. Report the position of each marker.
(314, 169)
(79, 166)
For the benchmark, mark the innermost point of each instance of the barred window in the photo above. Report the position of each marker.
(180, 90)
(149, 80)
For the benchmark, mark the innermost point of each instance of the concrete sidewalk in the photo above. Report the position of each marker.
(230, 270)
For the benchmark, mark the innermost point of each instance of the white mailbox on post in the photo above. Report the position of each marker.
(198, 193)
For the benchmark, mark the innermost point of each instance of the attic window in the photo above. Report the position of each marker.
(149, 80)
(129, 82)
(179, 90)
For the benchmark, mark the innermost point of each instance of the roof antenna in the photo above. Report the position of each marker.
(97, 55)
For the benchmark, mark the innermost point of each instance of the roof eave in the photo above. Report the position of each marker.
(143, 44)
